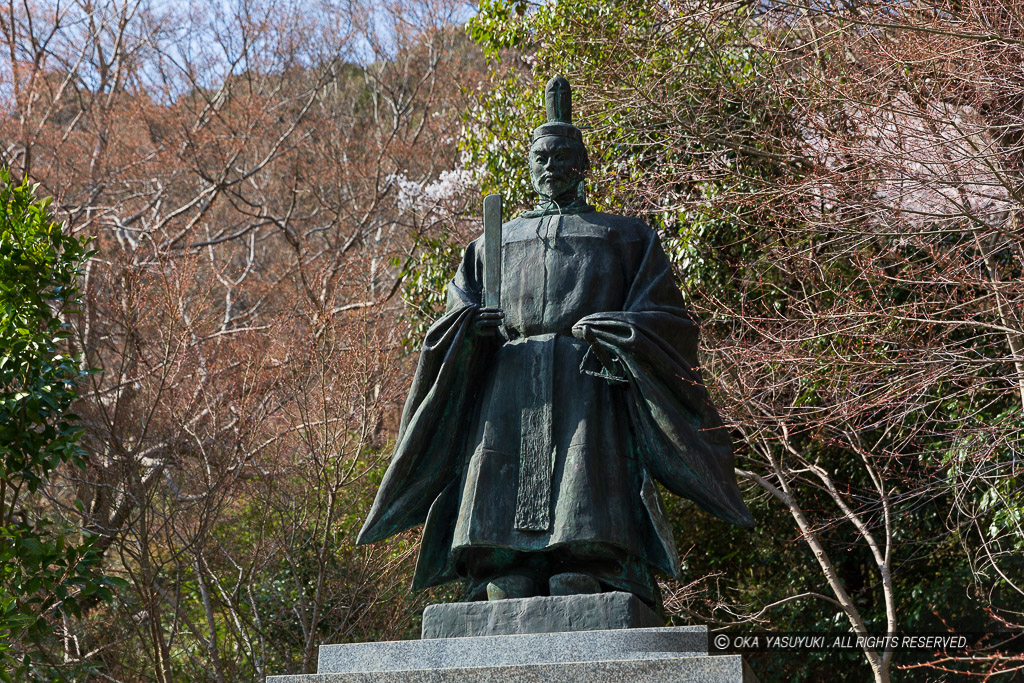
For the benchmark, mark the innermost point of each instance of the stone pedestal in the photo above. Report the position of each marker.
(587, 612)
(585, 650)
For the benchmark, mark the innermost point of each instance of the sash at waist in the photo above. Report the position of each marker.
(519, 338)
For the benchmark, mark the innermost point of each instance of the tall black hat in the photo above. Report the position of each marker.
(558, 104)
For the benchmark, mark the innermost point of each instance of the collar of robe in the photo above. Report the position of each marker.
(551, 208)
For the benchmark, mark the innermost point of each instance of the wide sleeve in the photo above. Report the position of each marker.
(428, 449)
(653, 340)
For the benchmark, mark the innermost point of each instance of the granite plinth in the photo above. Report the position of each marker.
(547, 614)
(717, 669)
(540, 648)
(504, 641)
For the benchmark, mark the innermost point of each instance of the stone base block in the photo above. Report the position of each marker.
(516, 650)
(587, 612)
(597, 638)
(717, 669)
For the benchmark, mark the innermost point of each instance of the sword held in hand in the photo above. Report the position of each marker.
(492, 250)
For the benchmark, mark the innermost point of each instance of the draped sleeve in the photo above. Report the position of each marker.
(428, 449)
(653, 342)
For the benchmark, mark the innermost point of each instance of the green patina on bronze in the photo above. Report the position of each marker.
(534, 432)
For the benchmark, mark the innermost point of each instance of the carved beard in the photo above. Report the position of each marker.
(573, 189)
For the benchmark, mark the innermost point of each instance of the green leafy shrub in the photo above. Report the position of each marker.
(45, 572)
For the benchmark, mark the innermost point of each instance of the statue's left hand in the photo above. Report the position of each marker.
(611, 366)
(583, 333)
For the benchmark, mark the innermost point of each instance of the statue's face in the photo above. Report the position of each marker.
(553, 167)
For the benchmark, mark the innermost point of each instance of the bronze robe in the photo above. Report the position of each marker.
(528, 442)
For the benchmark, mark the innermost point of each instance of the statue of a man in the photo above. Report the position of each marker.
(534, 432)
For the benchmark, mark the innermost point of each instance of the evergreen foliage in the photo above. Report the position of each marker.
(46, 571)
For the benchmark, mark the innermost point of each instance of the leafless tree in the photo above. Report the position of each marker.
(256, 175)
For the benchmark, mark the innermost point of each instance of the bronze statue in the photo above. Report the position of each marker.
(535, 429)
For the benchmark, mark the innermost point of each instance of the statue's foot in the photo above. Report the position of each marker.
(572, 583)
(511, 586)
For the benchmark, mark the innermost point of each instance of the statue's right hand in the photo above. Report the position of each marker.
(488, 320)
